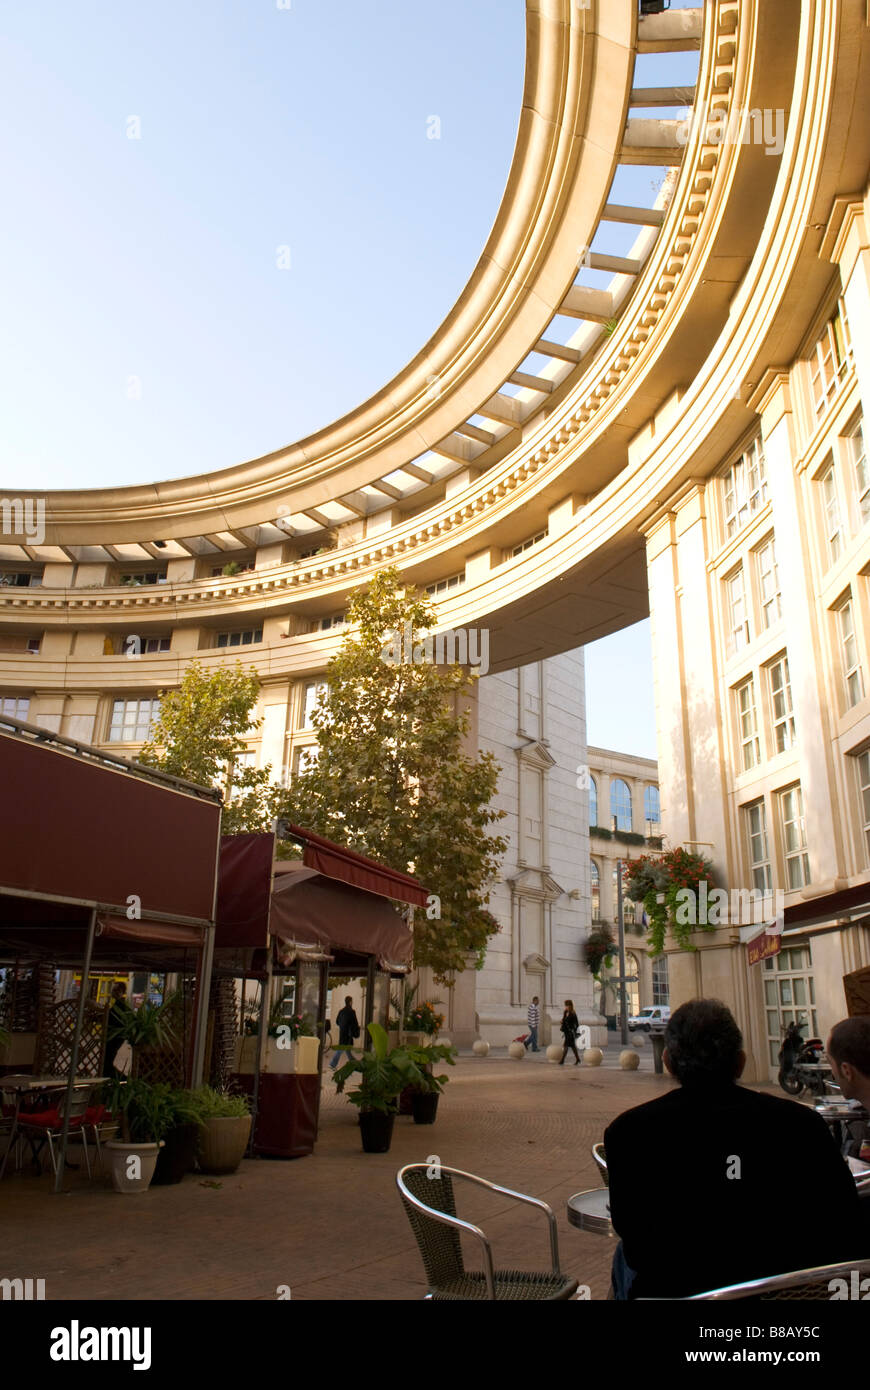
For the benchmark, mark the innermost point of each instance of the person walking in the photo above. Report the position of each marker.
(348, 1027)
(534, 1017)
(569, 1028)
(118, 1013)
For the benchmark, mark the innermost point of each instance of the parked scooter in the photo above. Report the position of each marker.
(799, 1063)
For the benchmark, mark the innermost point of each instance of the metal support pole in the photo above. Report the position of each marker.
(203, 994)
(74, 1054)
(623, 993)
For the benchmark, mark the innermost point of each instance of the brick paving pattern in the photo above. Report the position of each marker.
(331, 1226)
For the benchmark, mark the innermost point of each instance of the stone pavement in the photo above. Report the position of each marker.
(331, 1226)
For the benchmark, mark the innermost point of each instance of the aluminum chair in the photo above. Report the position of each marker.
(436, 1228)
(600, 1158)
(800, 1284)
(47, 1126)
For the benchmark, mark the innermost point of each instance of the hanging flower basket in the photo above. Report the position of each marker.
(669, 887)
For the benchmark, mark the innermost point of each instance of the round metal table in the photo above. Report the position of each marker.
(590, 1211)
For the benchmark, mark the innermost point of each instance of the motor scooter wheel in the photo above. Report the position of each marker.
(791, 1084)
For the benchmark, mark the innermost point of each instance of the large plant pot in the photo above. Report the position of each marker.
(129, 1177)
(178, 1155)
(376, 1129)
(222, 1143)
(425, 1107)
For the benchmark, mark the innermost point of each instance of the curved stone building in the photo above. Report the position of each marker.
(630, 410)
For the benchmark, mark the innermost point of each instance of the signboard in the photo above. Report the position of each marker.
(763, 946)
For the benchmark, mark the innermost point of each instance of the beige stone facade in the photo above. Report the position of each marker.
(556, 463)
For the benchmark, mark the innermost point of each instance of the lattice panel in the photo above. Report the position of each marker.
(54, 1046)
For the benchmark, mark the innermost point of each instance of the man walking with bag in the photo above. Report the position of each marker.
(534, 1017)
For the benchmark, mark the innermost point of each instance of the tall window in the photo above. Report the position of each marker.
(863, 765)
(661, 989)
(309, 702)
(829, 361)
(833, 518)
(593, 802)
(781, 705)
(794, 837)
(759, 851)
(858, 450)
(652, 811)
(620, 803)
(768, 583)
(596, 891)
(748, 723)
(738, 614)
(852, 674)
(745, 487)
(15, 706)
(132, 719)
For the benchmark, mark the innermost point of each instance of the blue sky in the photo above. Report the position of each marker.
(147, 329)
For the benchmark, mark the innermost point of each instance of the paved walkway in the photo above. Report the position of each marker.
(331, 1226)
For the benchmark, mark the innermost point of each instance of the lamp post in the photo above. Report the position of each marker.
(620, 928)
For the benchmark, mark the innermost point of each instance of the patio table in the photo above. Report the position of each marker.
(590, 1211)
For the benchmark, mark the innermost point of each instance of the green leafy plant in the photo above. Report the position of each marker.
(598, 949)
(601, 832)
(425, 1058)
(208, 1103)
(384, 1073)
(233, 567)
(656, 882)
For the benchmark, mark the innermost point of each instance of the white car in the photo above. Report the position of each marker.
(654, 1014)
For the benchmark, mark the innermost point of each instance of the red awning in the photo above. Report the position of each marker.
(312, 914)
(344, 864)
(158, 933)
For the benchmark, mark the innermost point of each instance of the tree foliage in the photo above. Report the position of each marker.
(393, 777)
(200, 734)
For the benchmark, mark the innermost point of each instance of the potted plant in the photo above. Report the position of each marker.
(177, 1156)
(383, 1072)
(225, 1128)
(142, 1110)
(424, 1095)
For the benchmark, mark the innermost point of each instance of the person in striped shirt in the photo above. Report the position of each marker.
(534, 1017)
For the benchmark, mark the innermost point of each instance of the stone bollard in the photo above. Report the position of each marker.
(517, 1051)
(629, 1060)
(593, 1057)
(480, 1048)
(554, 1053)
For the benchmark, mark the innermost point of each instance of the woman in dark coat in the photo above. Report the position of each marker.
(569, 1027)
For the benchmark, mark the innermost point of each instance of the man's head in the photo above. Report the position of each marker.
(119, 990)
(348, 1000)
(534, 999)
(703, 1045)
(848, 1051)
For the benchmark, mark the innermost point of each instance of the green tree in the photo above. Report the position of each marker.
(393, 779)
(200, 734)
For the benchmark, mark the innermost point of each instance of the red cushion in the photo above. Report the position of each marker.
(48, 1119)
(95, 1114)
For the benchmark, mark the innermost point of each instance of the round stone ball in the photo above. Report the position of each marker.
(554, 1053)
(517, 1051)
(593, 1057)
(480, 1048)
(629, 1060)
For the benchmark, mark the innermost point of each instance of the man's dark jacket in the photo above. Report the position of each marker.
(348, 1027)
(687, 1226)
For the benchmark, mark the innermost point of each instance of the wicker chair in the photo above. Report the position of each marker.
(800, 1284)
(436, 1228)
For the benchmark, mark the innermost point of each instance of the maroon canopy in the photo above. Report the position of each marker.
(313, 914)
(345, 864)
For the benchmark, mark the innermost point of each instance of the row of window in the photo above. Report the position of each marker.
(761, 596)
(779, 727)
(620, 804)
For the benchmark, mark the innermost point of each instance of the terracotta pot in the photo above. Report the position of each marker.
(222, 1143)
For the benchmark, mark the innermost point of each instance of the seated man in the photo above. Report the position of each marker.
(714, 1184)
(848, 1052)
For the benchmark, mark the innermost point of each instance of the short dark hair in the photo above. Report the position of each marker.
(850, 1042)
(703, 1043)
(348, 999)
